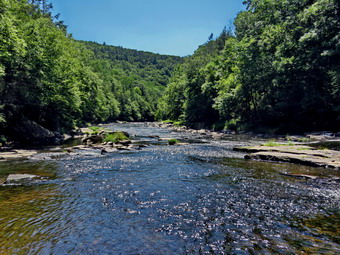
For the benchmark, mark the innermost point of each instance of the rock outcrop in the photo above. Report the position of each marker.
(303, 155)
(29, 132)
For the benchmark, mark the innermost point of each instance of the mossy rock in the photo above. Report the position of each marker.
(116, 137)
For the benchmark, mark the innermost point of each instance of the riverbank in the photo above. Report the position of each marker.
(96, 139)
(310, 149)
(299, 151)
(307, 137)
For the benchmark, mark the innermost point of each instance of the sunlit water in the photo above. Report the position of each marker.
(200, 198)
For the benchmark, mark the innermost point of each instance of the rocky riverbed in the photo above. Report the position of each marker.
(199, 198)
(298, 154)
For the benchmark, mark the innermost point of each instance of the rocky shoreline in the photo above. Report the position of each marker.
(90, 140)
(298, 154)
(311, 136)
(293, 149)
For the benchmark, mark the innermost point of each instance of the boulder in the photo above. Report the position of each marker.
(124, 142)
(17, 154)
(76, 132)
(29, 132)
(216, 135)
(20, 178)
(93, 139)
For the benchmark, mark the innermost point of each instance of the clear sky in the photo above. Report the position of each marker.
(175, 27)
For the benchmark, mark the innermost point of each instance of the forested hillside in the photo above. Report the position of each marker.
(140, 77)
(50, 79)
(279, 71)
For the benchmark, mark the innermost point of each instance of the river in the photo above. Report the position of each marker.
(199, 198)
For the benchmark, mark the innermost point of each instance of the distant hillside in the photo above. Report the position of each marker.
(149, 66)
(141, 76)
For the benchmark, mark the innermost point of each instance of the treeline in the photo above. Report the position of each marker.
(278, 71)
(57, 82)
(139, 78)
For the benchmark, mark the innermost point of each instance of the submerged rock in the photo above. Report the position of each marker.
(20, 178)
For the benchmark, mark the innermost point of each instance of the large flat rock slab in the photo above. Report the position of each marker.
(308, 160)
(303, 155)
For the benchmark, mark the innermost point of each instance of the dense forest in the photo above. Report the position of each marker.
(138, 78)
(49, 79)
(277, 71)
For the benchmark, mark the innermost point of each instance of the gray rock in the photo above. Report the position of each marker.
(124, 142)
(20, 178)
(93, 139)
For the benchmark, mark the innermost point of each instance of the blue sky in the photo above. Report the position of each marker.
(175, 27)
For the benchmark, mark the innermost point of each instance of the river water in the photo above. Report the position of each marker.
(199, 198)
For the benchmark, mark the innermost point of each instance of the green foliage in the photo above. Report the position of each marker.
(137, 78)
(95, 128)
(3, 139)
(280, 71)
(190, 94)
(168, 121)
(299, 139)
(115, 137)
(273, 143)
(58, 82)
(172, 141)
(231, 124)
(179, 123)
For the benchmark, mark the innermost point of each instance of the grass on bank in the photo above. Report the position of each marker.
(273, 143)
(95, 128)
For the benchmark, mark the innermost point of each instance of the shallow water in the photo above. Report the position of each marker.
(200, 198)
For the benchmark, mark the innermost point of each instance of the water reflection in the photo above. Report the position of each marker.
(27, 217)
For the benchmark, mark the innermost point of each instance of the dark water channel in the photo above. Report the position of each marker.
(200, 198)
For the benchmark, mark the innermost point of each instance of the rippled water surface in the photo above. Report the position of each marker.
(200, 198)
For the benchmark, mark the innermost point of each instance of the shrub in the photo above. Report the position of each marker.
(3, 139)
(172, 141)
(115, 137)
(94, 128)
